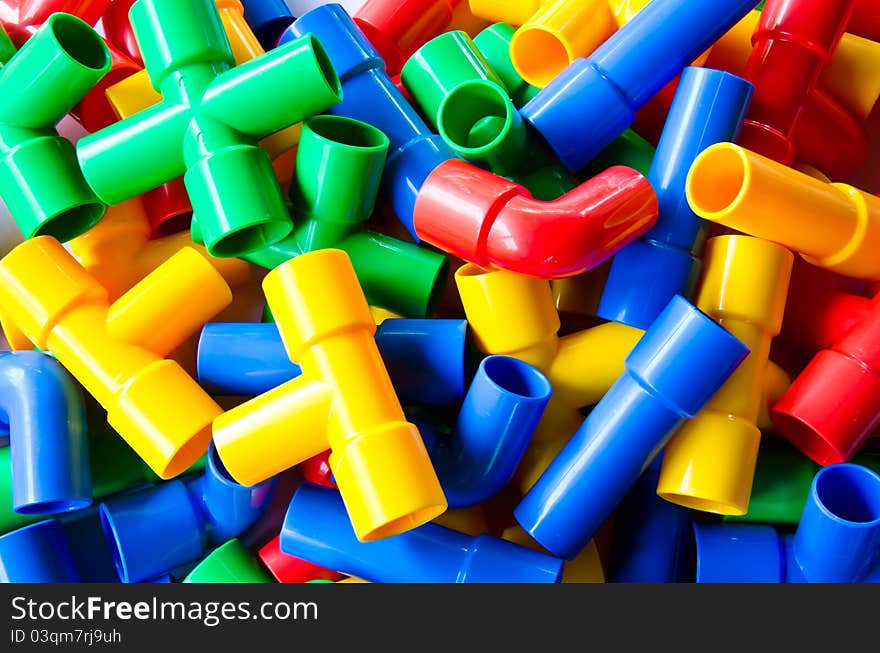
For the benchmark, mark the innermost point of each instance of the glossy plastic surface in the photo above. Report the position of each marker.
(230, 562)
(208, 123)
(116, 350)
(38, 553)
(40, 180)
(630, 424)
(708, 108)
(835, 226)
(606, 89)
(22, 19)
(343, 401)
(290, 569)
(489, 221)
(48, 439)
(494, 44)
(268, 19)
(515, 13)
(316, 528)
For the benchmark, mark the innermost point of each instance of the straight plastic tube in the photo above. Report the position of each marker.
(494, 44)
(38, 553)
(317, 529)
(710, 462)
(594, 100)
(268, 19)
(498, 416)
(515, 13)
(230, 562)
(48, 442)
(369, 95)
(680, 362)
(834, 226)
(708, 108)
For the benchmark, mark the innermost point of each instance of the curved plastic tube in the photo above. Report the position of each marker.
(44, 408)
(605, 90)
(230, 562)
(118, 31)
(268, 19)
(425, 359)
(836, 540)
(316, 528)
(40, 180)
(708, 108)
(290, 569)
(38, 553)
(369, 95)
(498, 416)
(653, 540)
(675, 368)
(834, 226)
(489, 221)
(792, 44)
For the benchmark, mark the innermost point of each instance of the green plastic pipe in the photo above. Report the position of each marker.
(629, 149)
(230, 562)
(40, 180)
(494, 44)
(208, 123)
(7, 47)
(9, 519)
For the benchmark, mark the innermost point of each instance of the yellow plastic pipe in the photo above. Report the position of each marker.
(709, 464)
(343, 401)
(116, 350)
(834, 226)
(512, 12)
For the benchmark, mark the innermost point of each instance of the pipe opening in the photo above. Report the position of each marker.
(538, 55)
(326, 66)
(251, 238)
(109, 527)
(717, 179)
(79, 41)
(73, 222)
(475, 117)
(807, 439)
(516, 377)
(346, 131)
(849, 492)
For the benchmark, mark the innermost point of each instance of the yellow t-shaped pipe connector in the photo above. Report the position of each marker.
(116, 351)
(343, 401)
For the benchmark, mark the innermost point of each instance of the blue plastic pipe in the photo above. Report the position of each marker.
(38, 553)
(497, 419)
(653, 539)
(317, 529)
(676, 367)
(90, 548)
(49, 446)
(267, 20)
(594, 100)
(836, 541)
(425, 359)
(154, 531)
(369, 95)
(708, 108)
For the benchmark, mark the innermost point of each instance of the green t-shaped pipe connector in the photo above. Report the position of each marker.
(209, 122)
(336, 177)
(40, 179)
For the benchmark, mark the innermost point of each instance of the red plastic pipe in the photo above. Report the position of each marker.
(94, 111)
(397, 28)
(833, 405)
(118, 30)
(168, 208)
(865, 20)
(793, 43)
(317, 470)
(492, 222)
(290, 569)
(21, 18)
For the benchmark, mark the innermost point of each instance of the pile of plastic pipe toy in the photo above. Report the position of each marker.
(440, 291)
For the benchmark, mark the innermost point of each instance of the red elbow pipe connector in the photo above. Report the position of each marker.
(793, 43)
(492, 222)
(21, 18)
(117, 29)
(833, 405)
(397, 28)
(290, 569)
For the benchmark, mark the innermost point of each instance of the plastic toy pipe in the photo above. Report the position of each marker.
(230, 562)
(22, 19)
(118, 251)
(628, 427)
(290, 569)
(268, 19)
(831, 407)
(208, 124)
(653, 539)
(497, 418)
(343, 401)
(316, 529)
(40, 180)
(466, 102)
(398, 28)
(7, 48)
(708, 108)
(836, 540)
(834, 226)
(494, 44)
(586, 568)
(91, 551)
(515, 13)
(337, 174)
(10, 520)
(710, 462)
(43, 407)
(116, 350)
(605, 90)
(117, 29)
(38, 553)
(369, 95)
(317, 470)
(489, 221)
(793, 42)
(155, 530)
(864, 20)
(425, 359)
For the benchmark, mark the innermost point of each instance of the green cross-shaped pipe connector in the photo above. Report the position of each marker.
(40, 179)
(208, 124)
